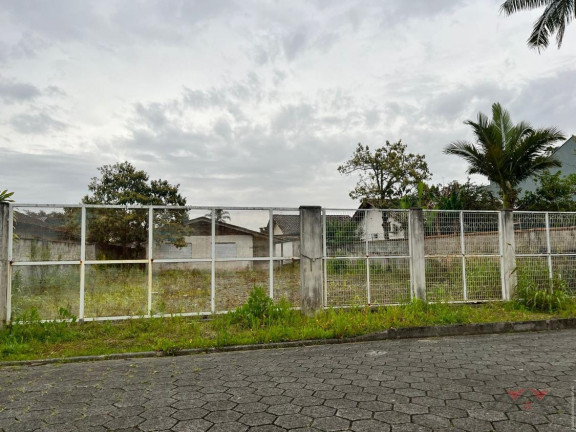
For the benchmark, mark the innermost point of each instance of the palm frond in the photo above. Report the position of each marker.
(511, 6)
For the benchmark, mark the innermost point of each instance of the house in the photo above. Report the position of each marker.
(41, 236)
(286, 229)
(566, 154)
(287, 232)
(232, 243)
(370, 220)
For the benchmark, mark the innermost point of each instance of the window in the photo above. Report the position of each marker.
(226, 250)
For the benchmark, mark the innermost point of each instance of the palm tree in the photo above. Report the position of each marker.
(221, 215)
(506, 153)
(557, 14)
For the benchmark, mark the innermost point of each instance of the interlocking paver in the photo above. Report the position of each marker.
(331, 424)
(445, 384)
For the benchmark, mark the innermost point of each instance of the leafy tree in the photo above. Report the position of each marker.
(506, 153)
(5, 196)
(554, 192)
(123, 184)
(386, 175)
(556, 16)
(343, 235)
(464, 196)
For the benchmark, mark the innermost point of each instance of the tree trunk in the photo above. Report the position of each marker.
(385, 225)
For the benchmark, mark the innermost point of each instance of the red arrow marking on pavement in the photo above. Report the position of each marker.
(515, 394)
(539, 393)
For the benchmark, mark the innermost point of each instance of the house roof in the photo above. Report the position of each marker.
(290, 224)
(223, 226)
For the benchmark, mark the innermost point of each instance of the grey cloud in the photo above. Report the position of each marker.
(547, 101)
(54, 91)
(153, 115)
(59, 178)
(13, 92)
(464, 101)
(293, 118)
(38, 123)
(288, 147)
(108, 25)
(395, 12)
(27, 46)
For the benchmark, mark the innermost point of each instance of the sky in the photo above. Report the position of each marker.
(256, 103)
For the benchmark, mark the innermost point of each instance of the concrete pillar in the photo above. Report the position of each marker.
(311, 259)
(4, 264)
(417, 260)
(510, 279)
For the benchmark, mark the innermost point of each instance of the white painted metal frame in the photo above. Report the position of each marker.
(149, 261)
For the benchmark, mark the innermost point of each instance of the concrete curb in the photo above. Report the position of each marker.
(391, 334)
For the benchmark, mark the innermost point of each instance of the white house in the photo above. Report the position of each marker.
(232, 242)
(370, 223)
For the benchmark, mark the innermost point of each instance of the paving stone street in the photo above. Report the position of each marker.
(509, 382)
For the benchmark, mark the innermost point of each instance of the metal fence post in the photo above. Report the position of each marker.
(508, 254)
(213, 262)
(311, 258)
(463, 250)
(271, 253)
(150, 254)
(417, 254)
(82, 301)
(324, 258)
(549, 250)
(4, 262)
(368, 293)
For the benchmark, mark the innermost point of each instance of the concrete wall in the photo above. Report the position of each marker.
(562, 240)
(49, 250)
(199, 247)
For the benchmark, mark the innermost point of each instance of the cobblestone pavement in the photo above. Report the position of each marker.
(510, 382)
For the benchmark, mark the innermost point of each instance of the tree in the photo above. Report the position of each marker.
(506, 153)
(464, 196)
(123, 184)
(5, 196)
(554, 192)
(221, 215)
(386, 175)
(556, 16)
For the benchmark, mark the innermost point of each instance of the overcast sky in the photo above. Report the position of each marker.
(255, 103)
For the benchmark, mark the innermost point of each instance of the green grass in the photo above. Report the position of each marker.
(258, 321)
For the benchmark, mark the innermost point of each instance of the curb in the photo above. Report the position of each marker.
(391, 334)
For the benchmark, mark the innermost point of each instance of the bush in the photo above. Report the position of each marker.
(532, 296)
(260, 310)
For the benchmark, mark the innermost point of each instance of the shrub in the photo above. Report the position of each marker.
(261, 310)
(532, 296)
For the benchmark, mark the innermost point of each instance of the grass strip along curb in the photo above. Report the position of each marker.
(390, 334)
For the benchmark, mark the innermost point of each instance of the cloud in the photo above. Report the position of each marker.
(16, 92)
(37, 123)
